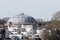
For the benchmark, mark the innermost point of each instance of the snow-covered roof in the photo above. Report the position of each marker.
(22, 19)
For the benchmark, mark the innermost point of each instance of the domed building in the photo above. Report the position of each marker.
(21, 26)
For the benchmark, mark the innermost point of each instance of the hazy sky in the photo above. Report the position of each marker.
(37, 8)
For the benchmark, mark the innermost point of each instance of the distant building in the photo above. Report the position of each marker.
(21, 26)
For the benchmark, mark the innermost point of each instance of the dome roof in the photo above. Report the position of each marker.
(22, 19)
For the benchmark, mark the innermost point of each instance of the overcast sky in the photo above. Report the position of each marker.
(37, 8)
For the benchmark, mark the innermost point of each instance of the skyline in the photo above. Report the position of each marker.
(43, 9)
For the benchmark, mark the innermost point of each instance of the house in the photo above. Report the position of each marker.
(21, 26)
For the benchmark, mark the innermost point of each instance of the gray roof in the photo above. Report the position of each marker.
(22, 19)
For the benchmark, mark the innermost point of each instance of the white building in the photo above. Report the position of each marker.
(21, 26)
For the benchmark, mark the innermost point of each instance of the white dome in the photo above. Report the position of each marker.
(22, 19)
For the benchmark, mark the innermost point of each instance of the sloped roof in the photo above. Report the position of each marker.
(22, 19)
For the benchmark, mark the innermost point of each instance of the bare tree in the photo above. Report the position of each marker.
(56, 16)
(39, 20)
